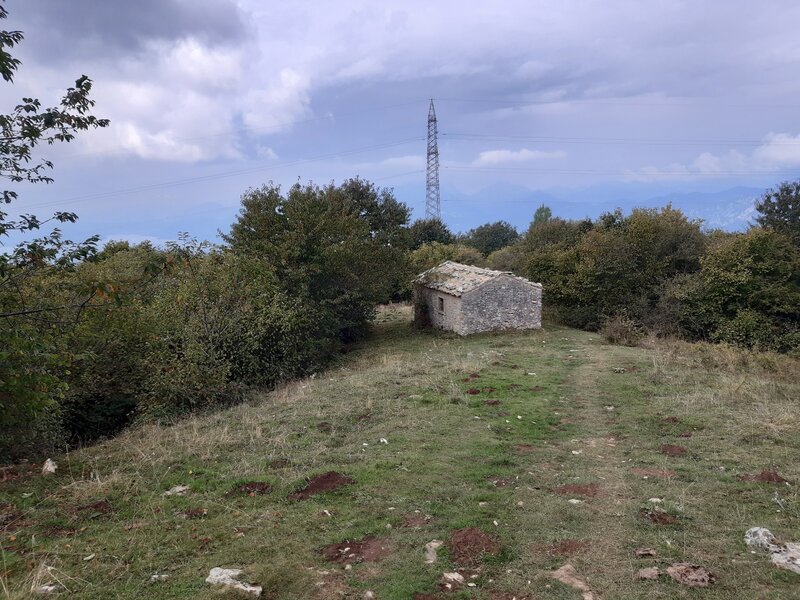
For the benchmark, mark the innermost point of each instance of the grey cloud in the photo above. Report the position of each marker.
(61, 30)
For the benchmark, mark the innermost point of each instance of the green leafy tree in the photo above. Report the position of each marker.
(779, 210)
(542, 215)
(425, 231)
(746, 292)
(434, 253)
(491, 237)
(337, 249)
(33, 356)
(511, 258)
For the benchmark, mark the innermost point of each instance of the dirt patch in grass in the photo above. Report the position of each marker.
(416, 520)
(470, 377)
(537, 388)
(326, 482)
(473, 391)
(250, 488)
(499, 481)
(324, 427)
(660, 473)
(524, 448)
(659, 517)
(769, 476)
(192, 513)
(488, 390)
(685, 434)
(567, 547)
(671, 450)
(94, 509)
(279, 463)
(368, 549)
(589, 490)
(468, 545)
(491, 402)
(670, 419)
(58, 531)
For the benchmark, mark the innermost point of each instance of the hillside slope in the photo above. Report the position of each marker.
(522, 452)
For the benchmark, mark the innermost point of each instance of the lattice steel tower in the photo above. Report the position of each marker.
(432, 200)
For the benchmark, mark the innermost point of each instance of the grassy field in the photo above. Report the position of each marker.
(520, 452)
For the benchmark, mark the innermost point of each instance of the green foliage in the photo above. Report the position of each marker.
(542, 215)
(491, 237)
(591, 273)
(656, 270)
(35, 315)
(338, 249)
(746, 292)
(425, 231)
(434, 253)
(780, 210)
(511, 258)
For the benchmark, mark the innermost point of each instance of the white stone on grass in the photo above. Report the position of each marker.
(786, 556)
(228, 578)
(430, 550)
(49, 467)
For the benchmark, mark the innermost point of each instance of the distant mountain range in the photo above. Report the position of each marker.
(731, 209)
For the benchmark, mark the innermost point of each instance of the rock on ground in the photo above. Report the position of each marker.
(430, 550)
(228, 578)
(691, 575)
(568, 576)
(785, 556)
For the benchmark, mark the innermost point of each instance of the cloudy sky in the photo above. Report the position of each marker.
(581, 104)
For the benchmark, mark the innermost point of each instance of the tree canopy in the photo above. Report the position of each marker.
(779, 210)
(491, 237)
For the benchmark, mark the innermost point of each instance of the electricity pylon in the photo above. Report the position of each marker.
(432, 200)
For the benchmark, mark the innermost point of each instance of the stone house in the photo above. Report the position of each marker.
(468, 299)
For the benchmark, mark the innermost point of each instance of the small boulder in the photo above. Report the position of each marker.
(49, 468)
(430, 550)
(228, 578)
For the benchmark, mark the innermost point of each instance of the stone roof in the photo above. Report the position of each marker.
(456, 279)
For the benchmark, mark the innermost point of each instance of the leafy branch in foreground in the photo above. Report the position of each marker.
(34, 308)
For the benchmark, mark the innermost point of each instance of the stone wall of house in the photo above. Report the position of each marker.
(428, 309)
(503, 303)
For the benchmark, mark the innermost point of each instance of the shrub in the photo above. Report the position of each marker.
(623, 330)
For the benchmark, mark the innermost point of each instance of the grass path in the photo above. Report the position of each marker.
(479, 442)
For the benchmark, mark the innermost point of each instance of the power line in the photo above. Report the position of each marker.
(221, 175)
(256, 129)
(628, 172)
(612, 141)
(614, 102)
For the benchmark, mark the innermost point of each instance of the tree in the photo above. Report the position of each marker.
(542, 215)
(425, 231)
(429, 255)
(746, 292)
(33, 356)
(338, 248)
(491, 237)
(780, 210)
